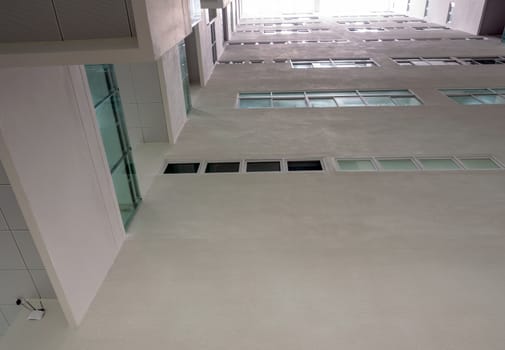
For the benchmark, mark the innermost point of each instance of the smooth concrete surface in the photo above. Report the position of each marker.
(204, 44)
(51, 149)
(149, 159)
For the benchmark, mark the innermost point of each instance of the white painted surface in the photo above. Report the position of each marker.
(51, 149)
(204, 45)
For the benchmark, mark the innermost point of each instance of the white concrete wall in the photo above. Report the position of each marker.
(173, 92)
(51, 149)
(22, 273)
(140, 91)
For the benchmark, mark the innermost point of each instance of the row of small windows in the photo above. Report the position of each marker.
(282, 24)
(448, 61)
(361, 22)
(344, 41)
(327, 99)
(368, 62)
(424, 39)
(476, 96)
(352, 29)
(366, 164)
(309, 18)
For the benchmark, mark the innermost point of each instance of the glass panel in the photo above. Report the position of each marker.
(304, 165)
(438, 164)
(322, 65)
(258, 103)
(385, 92)
(266, 166)
(349, 101)
(356, 165)
(121, 180)
(466, 100)
(499, 91)
(288, 94)
(302, 65)
(254, 94)
(420, 63)
(479, 163)
(378, 101)
(225, 167)
(289, 103)
(185, 75)
(406, 101)
(182, 168)
(465, 91)
(110, 132)
(397, 164)
(99, 80)
(322, 102)
(331, 93)
(491, 99)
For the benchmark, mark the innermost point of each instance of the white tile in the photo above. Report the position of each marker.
(131, 115)
(146, 82)
(3, 176)
(155, 134)
(125, 83)
(10, 258)
(43, 284)
(3, 324)
(10, 312)
(16, 284)
(28, 250)
(136, 137)
(152, 115)
(10, 209)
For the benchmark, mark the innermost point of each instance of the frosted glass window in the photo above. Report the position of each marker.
(258, 103)
(356, 165)
(438, 164)
(406, 101)
(397, 164)
(490, 99)
(289, 103)
(466, 100)
(479, 163)
(322, 102)
(378, 101)
(349, 101)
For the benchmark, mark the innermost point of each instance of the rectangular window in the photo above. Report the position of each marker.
(495, 96)
(367, 30)
(333, 63)
(213, 41)
(479, 163)
(304, 165)
(431, 28)
(327, 99)
(182, 168)
(356, 165)
(222, 167)
(397, 164)
(450, 12)
(448, 61)
(263, 166)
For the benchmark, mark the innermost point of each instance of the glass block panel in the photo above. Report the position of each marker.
(264, 166)
(438, 164)
(223, 167)
(289, 103)
(479, 163)
(466, 100)
(182, 168)
(397, 164)
(490, 99)
(385, 92)
(378, 101)
(257, 103)
(406, 101)
(304, 165)
(349, 101)
(322, 102)
(356, 165)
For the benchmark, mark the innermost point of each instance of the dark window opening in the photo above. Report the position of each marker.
(182, 168)
(224, 167)
(263, 166)
(305, 165)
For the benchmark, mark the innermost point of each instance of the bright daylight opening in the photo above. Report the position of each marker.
(274, 8)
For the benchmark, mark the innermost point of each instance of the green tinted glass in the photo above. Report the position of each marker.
(356, 165)
(397, 164)
(490, 99)
(289, 103)
(466, 100)
(479, 163)
(406, 101)
(255, 103)
(438, 164)
(349, 101)
(378, 101)
(322, 102)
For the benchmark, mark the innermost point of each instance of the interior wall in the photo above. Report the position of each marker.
(140, 91)
(169, 67)
(22, 274)
(51, 149)
(192, 57)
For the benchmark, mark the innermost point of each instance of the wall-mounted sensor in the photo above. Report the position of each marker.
(35, 314)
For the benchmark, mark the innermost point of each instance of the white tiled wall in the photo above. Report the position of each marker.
(140, 92)
(21, 271)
